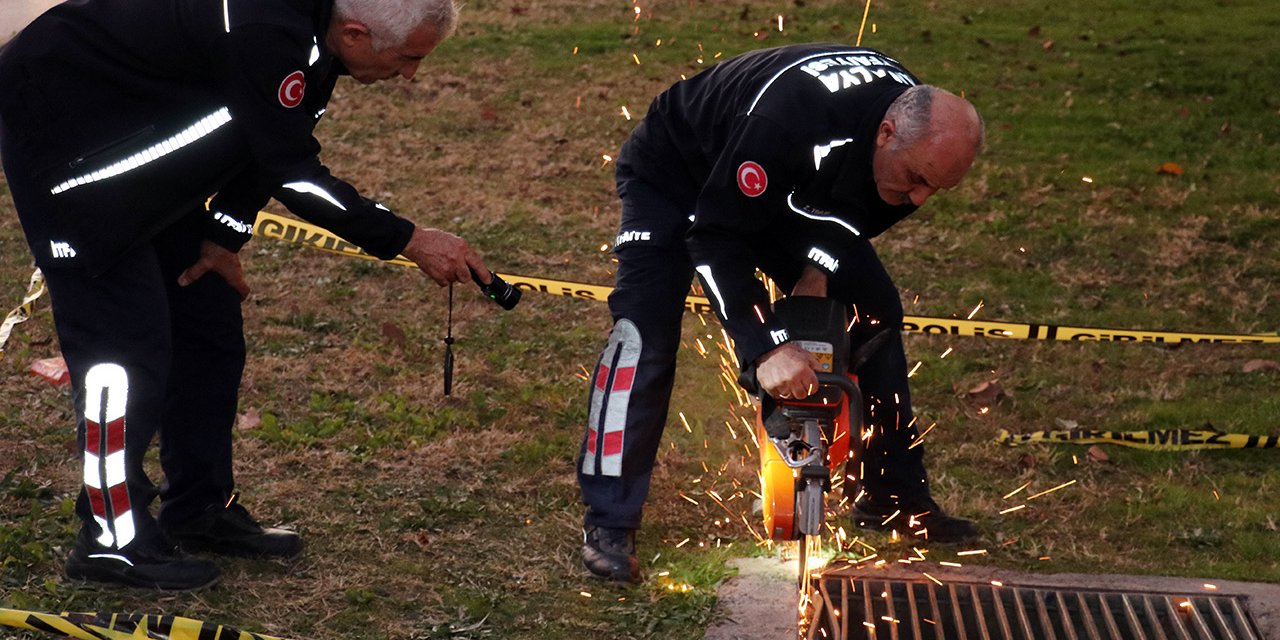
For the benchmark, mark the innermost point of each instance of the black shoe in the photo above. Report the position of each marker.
(921, 518)
(231, 531)
(611, 553)
(158, 567)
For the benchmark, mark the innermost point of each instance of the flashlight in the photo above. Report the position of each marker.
(498, 290)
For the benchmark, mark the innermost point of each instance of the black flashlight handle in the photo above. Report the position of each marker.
(498, 290)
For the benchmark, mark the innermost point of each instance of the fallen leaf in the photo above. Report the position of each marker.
(1066, 424)
(1096, 454)
(1048, 44)
(1034, 31)
(1170, 168)
(987, 393)
(394, 334)
(419, 538)
(52, 369)
(1254, 366)
(1027, 461)
(248, 420)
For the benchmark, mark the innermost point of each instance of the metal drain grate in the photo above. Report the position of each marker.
(850, 608)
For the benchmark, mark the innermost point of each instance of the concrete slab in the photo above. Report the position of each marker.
(760, 602)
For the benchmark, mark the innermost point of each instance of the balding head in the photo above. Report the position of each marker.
(927, 141)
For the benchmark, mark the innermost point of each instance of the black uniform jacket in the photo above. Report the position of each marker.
(771, 153)
(120, 116)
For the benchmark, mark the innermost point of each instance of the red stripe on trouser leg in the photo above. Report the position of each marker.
(92, 437)
(591, 440)
(623, 378)
(602, 377)
(115, 437)
(119, 501)
(613, 443)
(96, 501)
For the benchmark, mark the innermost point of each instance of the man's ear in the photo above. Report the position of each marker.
(888, 128)
(351, 31)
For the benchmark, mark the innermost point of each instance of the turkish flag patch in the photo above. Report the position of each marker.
(752, 179)
(292, 88)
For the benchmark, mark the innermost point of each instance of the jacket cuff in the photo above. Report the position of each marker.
(227, 230)
(760, 340)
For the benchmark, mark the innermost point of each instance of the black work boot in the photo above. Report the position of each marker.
(231, 531)
(611, 553)
(921, 518)
(158, 566)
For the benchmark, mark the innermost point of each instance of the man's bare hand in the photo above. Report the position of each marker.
(444, 257)
(787, 372)
(220, 260)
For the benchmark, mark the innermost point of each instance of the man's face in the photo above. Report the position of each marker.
(912, 174)
(352, 43)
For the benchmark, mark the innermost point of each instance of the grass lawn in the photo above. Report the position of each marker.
(457, 517)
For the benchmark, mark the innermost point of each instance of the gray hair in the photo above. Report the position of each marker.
(391, 21)
(912, 114)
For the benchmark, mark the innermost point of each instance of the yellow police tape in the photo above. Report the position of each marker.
(1155, 440)
(118, 626)
(270, 225)
(22, 312)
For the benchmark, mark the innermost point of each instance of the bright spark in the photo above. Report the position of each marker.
(920, 438)
(975, 311)
(1015, 491)
(1012, 509)
(866, 10)
(1063, 485)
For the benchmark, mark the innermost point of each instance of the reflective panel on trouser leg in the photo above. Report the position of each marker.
(106, 395)
(610, 395)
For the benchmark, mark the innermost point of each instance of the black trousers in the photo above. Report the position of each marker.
(631, 387)
(176, 355)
